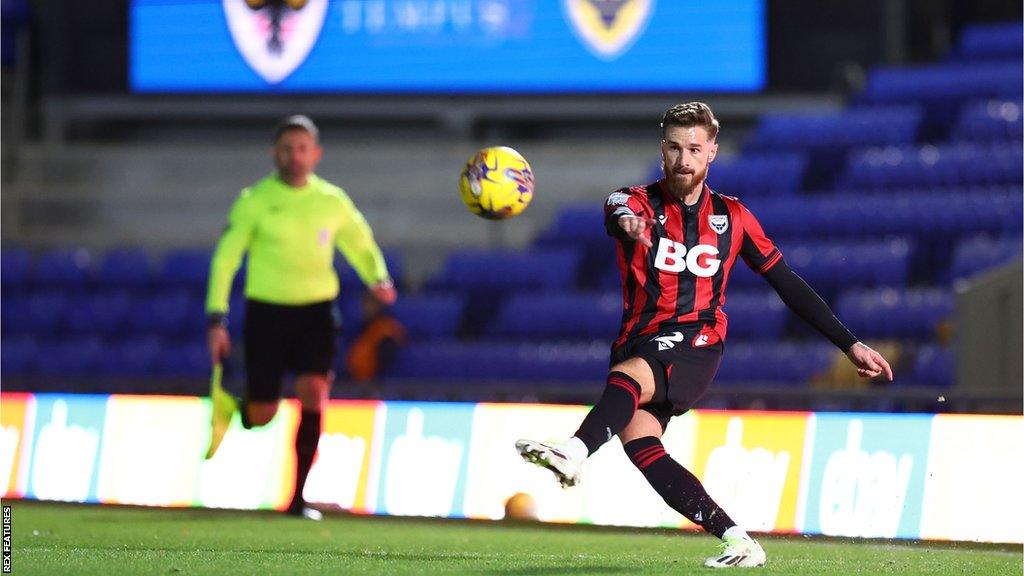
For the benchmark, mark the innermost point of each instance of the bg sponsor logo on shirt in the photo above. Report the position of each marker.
(699, 260)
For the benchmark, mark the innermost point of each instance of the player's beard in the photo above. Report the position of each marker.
(682, 184)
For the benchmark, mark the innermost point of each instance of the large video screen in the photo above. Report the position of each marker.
(447, 46)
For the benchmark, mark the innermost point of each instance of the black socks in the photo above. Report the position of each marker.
(677, 486)
(306, 440)
(612, 412)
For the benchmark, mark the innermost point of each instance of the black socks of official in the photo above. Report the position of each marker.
(306, 441)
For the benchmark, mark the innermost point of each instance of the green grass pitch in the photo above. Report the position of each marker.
(71, 539)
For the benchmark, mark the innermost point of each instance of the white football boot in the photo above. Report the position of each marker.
(738, 552)
(554, 457)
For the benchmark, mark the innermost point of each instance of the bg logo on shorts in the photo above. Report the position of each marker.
(699, 260)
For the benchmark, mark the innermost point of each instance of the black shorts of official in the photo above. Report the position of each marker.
(281, 339)
(682, 372)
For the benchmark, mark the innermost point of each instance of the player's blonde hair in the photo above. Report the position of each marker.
(689, 115)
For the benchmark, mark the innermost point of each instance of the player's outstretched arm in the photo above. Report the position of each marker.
(868, 361)
(637, 228)
(807, 304)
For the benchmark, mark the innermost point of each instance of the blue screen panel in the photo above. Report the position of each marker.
(447, 46)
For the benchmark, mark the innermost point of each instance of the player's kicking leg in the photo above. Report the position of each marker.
(628, 385)
(623, 392)
(683, 492)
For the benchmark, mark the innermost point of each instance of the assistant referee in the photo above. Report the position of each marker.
(289, 223)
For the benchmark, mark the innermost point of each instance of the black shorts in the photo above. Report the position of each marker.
(682, 372)
(280, 339)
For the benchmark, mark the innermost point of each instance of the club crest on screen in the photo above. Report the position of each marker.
(608, 27)
(275, 36)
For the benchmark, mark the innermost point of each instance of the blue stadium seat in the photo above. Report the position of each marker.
(125, 268)
(757, 174)
(933, 366)
(989, 120)
(132, 358)
(101, 314)
(40, 314)
(350, 280)
(14, 269)
(508, 270)
(186, 268)
(935, 165)
(980, 253)
(755, 314)
(168, 314)
(430, 316)
(185, 360)
(445, 361)
(76, 358)
(64, 269)
(835, 265)
(15, 318)
(876, 125)
(576, 223)
(890, 313)
(770, 362)
(944, 82)
(992, 41)
(559, 316)
(19, 356)
(923, 212)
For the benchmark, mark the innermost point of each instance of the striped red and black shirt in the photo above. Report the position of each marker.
(680, 282)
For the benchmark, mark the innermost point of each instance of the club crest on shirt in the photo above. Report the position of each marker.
(618, 199)
(608, 27)
(718, 222)
(323, 237)
(275, 36)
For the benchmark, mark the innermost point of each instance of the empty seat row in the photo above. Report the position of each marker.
(869, 125)
(944, 82)
(90, 357)
(975, 255)
(992, 41)
(891, 313)
(933, 365)
(777, 363)
(920, 213)
(587, 364)
(989, 120)
(167, 313)
(831, 266)
(947, 164)
(760, 173)
(129, 268)
(467, 270)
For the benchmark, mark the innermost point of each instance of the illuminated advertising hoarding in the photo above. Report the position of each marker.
(866, 475)
(854, 475)
(447, 46)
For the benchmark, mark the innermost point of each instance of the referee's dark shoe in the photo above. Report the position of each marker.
(299, 509)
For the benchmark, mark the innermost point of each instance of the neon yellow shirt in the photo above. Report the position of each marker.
(290, 234)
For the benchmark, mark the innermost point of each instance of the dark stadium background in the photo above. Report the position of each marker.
(883, 154)
(112, 201)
